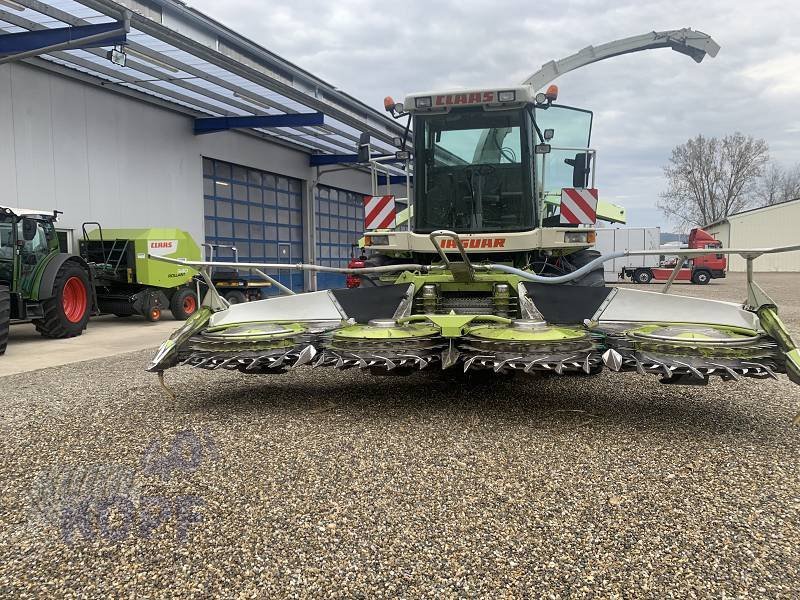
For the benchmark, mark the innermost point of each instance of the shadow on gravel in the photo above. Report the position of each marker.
(608, 401)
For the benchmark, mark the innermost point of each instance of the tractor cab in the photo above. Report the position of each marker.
(27, 239)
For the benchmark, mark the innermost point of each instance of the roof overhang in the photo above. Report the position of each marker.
(179, 58)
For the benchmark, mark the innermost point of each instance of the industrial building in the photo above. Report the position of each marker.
(142, 113)
(769, 226)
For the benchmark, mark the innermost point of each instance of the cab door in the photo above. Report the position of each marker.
(37, 241)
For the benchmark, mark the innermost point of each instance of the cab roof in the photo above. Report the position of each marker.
(443, 101)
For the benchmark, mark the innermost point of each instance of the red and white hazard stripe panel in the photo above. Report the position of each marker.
(379, 212)
(578, 206)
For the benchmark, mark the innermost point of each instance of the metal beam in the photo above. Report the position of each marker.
(214, 124)
(394, 179)
(320, 160)
(17, 46)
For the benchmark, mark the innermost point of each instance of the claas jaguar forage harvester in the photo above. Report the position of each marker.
(494, 271)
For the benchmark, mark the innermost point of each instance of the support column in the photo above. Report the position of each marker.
(310, 229)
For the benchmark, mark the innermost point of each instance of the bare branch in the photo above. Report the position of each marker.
(709, 179)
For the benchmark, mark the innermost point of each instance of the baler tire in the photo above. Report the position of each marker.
(5, 317)
(66, 318)
(183, 303)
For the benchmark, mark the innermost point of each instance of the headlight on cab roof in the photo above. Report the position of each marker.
(579, 237)
(423, 102)
(377, 240)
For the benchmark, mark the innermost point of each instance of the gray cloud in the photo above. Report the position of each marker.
(644, 104)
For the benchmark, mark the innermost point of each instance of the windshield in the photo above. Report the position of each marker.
(473, 171)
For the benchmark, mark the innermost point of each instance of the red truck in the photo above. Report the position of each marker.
(700, 269)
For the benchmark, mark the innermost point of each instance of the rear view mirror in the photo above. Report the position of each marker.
(542, 148)
(548, 134)
(363, 148)
(28, 229)
(581, 166)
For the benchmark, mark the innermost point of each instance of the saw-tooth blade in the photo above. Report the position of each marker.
(305, 356)
(612, 359)
(639, 367)
(450, 356)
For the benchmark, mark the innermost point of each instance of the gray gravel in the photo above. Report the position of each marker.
(337, 483)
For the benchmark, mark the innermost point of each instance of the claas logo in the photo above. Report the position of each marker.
(465, 98)
(476, 243)
(155, 245)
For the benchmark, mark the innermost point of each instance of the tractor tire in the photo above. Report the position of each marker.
(183, 303)
(235, 297)
(701, 277)
(154, 314)
(5, 317)
(67, 313)
(595, 278)
(642, 276)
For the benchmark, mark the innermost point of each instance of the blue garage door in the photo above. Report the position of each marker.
(259, 213)
(340, 224)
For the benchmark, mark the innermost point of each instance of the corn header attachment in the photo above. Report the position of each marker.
(492, 317)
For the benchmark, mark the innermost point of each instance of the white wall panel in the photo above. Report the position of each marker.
(8, 159)
(100, 156)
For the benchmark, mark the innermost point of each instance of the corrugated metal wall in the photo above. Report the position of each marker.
(777, 225)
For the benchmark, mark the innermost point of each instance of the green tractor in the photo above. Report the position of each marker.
(38, 282)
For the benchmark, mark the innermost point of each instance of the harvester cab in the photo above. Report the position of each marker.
(505, 168)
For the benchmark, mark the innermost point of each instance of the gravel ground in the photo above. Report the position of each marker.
(336, 483)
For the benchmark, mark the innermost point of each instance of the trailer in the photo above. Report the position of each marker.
(627, 238)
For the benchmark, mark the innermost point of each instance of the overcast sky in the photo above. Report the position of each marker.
(644, 103)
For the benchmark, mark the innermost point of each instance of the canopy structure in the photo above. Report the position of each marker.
(164, 52)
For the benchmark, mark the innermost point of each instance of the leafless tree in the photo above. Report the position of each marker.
(779, 185)
(710, 178)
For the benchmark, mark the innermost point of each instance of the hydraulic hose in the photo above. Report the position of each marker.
(576, 274)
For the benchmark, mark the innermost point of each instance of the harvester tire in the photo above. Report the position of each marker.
(595, 278)
(67, 312)
(5, 317)
(235, 297)
(183, 303)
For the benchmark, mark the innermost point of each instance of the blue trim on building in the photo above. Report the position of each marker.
(213, 124)
(26, 41)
